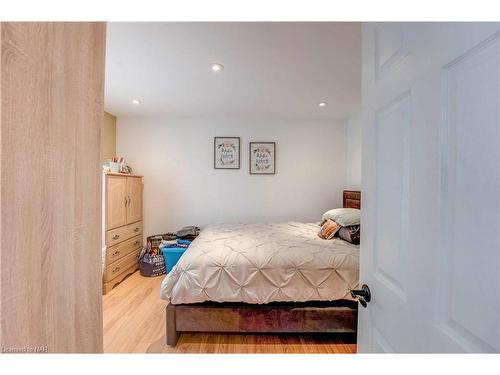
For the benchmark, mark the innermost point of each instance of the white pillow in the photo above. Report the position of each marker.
(344, 216)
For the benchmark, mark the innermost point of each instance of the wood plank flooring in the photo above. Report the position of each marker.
(134, 322)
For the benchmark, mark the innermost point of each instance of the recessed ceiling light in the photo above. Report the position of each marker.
(217, 67)
(323, 104)
(136, 101)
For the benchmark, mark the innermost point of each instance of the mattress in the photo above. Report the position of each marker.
(262, 263)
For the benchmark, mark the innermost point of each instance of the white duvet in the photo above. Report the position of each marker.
(261, 263)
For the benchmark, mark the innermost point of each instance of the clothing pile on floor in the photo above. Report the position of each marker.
(183, 238)
(151, 260)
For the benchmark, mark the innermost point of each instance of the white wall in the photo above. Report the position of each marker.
(181, 186)
(353, 156)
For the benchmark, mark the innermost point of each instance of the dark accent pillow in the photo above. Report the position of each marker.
(350, 234)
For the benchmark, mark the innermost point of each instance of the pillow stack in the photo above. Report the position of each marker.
(344, 221)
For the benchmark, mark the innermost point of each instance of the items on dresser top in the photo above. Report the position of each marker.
(116, 165)
(123, 226)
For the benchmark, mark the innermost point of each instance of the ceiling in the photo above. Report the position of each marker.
(270, 69)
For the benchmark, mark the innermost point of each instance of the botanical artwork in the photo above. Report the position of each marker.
(262, 157)
(226, 152)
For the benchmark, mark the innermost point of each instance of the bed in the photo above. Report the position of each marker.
(278, 277)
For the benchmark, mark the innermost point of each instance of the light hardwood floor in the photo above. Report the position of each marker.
(134, 322)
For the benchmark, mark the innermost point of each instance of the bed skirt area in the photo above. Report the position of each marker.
(303, 317)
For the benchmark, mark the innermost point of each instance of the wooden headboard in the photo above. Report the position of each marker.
(352, 199)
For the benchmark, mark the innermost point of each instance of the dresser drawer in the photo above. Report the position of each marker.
(116, 268)
(121, 234)
(122, 249)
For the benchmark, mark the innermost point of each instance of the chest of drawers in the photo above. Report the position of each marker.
(123, 225)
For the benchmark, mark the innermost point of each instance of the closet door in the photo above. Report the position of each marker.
(116, 201)
(134, 199)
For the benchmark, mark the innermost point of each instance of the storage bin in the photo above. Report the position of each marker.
(172, 256)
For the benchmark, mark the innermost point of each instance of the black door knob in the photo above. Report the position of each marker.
(363, 295)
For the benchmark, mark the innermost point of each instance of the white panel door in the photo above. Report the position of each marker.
(430, 247)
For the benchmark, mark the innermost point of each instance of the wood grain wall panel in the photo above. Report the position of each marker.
(52, 78)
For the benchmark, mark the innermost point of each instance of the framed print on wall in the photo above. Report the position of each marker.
(227, 152)
(262, 157)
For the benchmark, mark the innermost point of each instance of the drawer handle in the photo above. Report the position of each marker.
(137, 242)
(116, 252)
(116, 269)
(125, 201)
(116, 236)
(137, 229)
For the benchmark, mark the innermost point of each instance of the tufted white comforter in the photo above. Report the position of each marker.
(261, 263)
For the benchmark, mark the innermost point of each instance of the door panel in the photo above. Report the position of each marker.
(391, 190)
(390, 46)
(430, 248)
(116, 201)
(470, 200)
(52, 80)
(134, 208)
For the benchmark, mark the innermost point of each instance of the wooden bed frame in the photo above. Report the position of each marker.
(279, 317)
